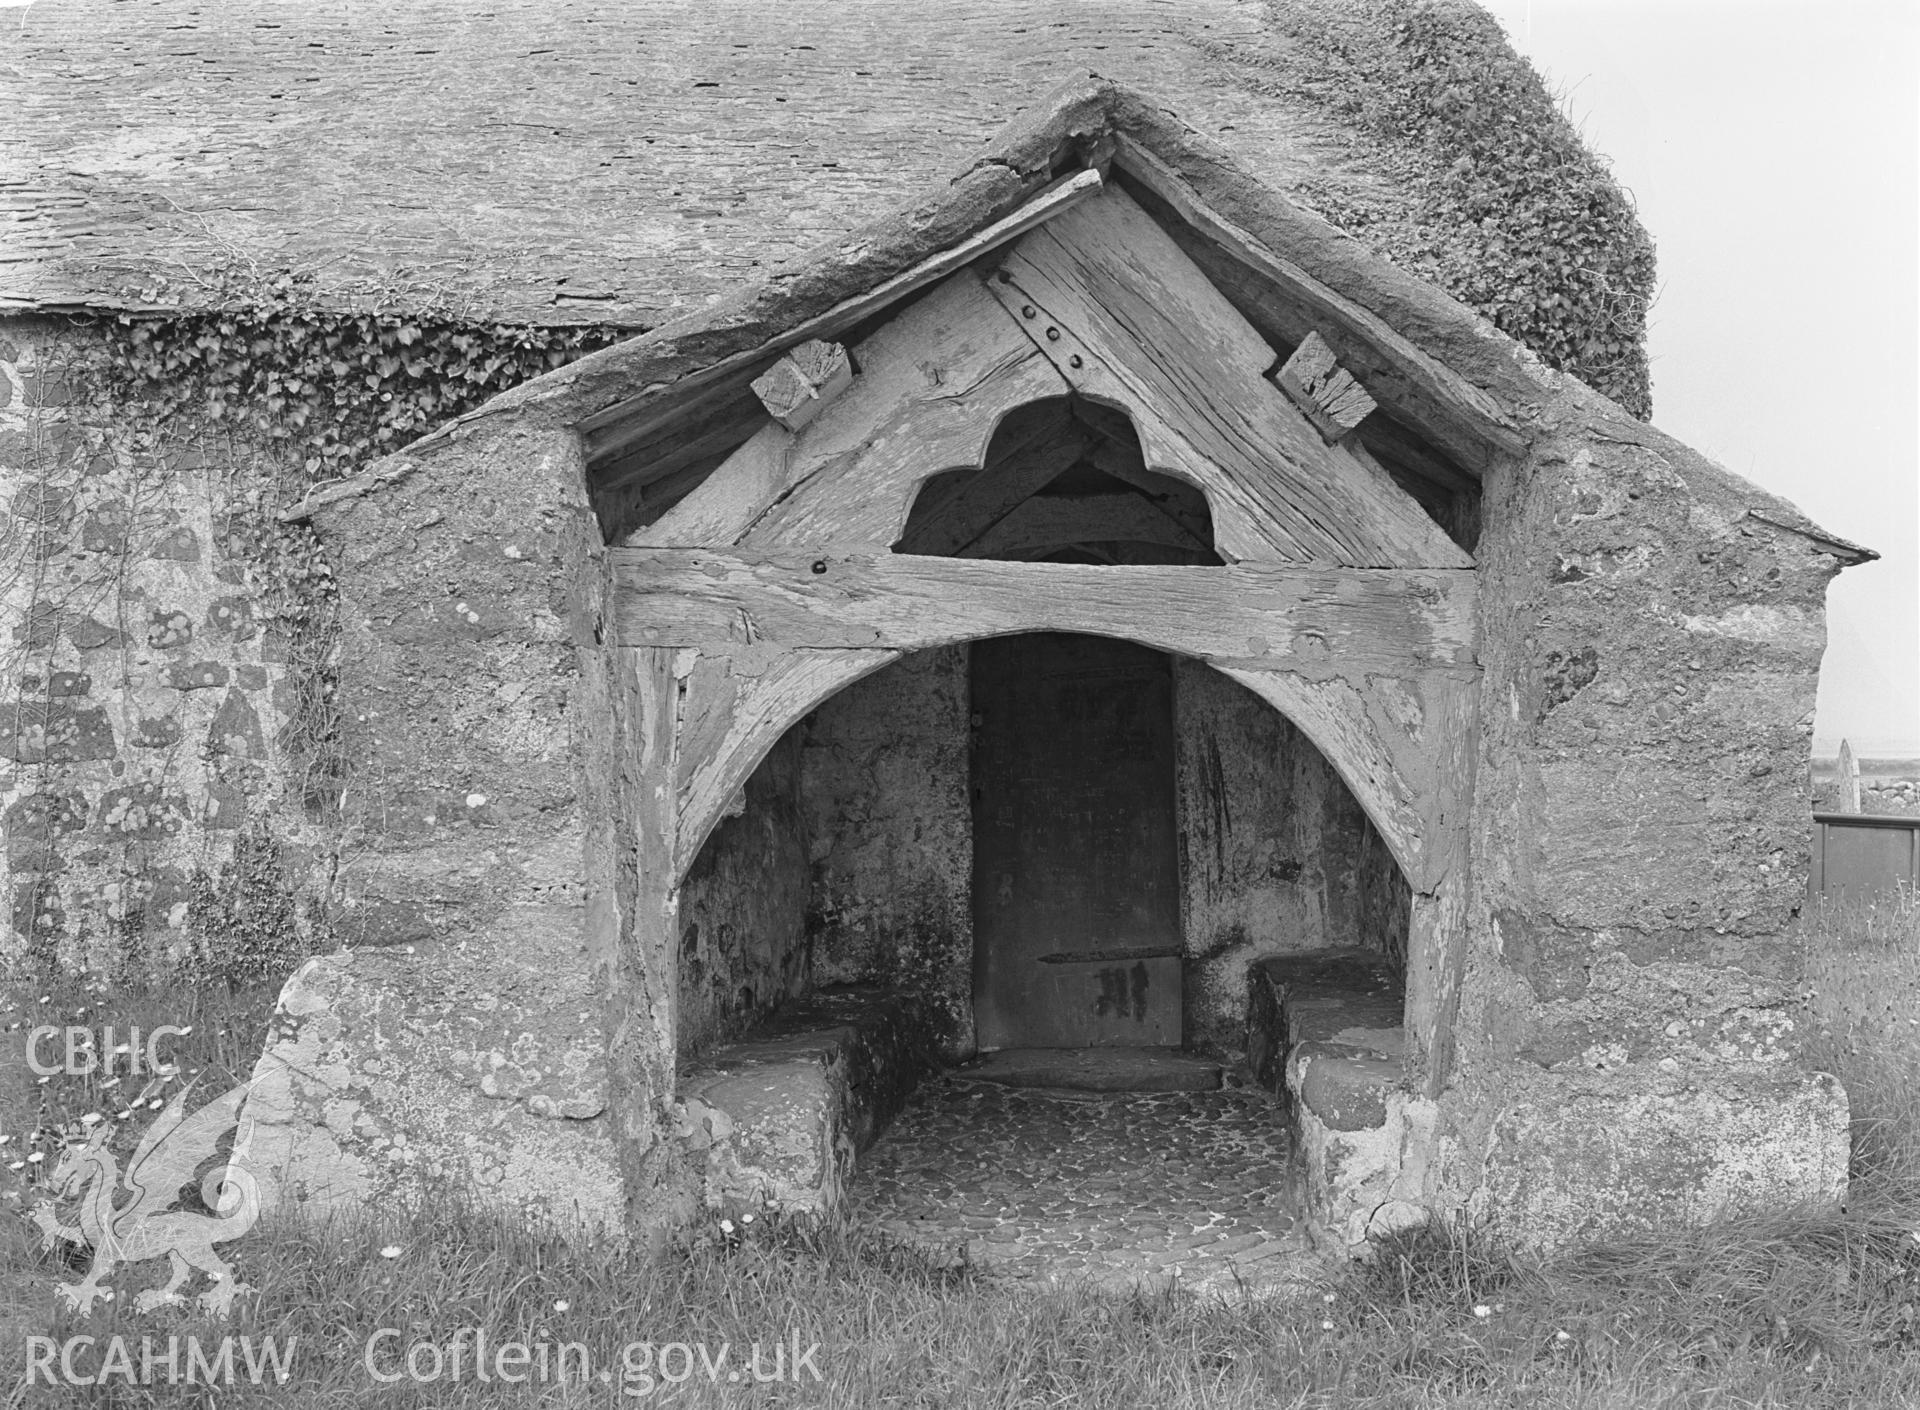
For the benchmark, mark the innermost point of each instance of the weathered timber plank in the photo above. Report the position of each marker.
(933, 385)
(693, 399)
(866, 449)
(1385, 437)
(735, 717)
(719, 508)
(710, 696)
(1139, 553)
(1443, 507)
(645, 413)
(1467, 421)
(648, 694)
(989, 495)
(729, 423)
(1126, 317)
(1338, 620)
(1437, 926)
(668, 492)
(1046, 523)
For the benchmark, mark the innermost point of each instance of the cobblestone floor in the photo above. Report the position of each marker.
(1121, 1189)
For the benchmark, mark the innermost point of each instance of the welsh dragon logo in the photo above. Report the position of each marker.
(147, 1226)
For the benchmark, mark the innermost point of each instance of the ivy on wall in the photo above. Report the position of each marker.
(323, 390)
(241, 920)
(1503, 207)
(255, 387)
(333, 387)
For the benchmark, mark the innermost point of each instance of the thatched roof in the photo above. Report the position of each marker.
(552, 161)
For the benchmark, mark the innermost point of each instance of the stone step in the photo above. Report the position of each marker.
(778, 1119)
(1345, 1008)
(1325, 1032)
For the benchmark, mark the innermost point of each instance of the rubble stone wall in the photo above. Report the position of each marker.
(467, 1033)
(1651, 650)
(151, 677)
(743, 907)
(890, 835)
(1277, 855)
(1897, 796)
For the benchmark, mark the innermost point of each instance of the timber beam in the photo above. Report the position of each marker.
(648, 412)
(1127, 320)
(1314, 619)
(795, 388)
(1470, 423)
(1332, 400)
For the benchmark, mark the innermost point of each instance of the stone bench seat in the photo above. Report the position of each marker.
(1326, 1033)
(776, 1120)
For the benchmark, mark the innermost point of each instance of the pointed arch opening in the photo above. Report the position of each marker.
(1063, 480)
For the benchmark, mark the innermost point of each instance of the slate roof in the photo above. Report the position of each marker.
(1453, 390)
(554, 160)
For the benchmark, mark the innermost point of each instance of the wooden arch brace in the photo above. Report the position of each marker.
(735, 708)
(1401, 740)
(1323, 644)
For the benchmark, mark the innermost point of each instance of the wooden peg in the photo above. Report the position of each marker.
(795, 388)
(1333, 401)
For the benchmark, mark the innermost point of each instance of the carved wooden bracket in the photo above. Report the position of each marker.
(795, 388)
(1333, 401)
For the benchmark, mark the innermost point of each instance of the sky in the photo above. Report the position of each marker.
(1773, 151)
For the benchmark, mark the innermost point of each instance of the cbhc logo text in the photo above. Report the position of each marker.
(82, 1054)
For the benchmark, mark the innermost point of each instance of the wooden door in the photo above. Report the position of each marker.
(1075, 877)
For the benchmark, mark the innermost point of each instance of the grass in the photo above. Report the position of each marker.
(1862, 990)
(1794, 1313)
(1801, 1309)
(226, 1029)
